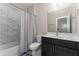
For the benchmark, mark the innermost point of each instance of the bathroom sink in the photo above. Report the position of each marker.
(60, 36)
(63, 36)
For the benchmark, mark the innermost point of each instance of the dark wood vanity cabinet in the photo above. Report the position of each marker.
(47, 48)
(59, 47)
(63, 51)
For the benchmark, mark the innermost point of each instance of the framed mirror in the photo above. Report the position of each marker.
(63, 24)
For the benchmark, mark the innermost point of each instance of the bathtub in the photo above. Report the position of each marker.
(9, 49)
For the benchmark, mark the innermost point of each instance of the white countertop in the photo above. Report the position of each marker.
(63, 36)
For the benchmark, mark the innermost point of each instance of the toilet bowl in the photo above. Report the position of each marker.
(35, 47)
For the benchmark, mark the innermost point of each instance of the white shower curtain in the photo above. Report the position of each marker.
(31, 28)
(28, 31)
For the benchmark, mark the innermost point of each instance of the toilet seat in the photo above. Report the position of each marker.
(34, 45)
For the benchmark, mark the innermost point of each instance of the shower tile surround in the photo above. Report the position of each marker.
(9, 24)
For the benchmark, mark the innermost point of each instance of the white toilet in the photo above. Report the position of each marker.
(36, 47)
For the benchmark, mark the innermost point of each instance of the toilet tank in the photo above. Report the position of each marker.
(39, 38)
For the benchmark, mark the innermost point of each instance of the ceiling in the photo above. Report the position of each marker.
(22, 6)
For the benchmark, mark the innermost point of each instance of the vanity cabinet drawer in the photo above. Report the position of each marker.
(77, 46)
(64, 43)
(48, 40)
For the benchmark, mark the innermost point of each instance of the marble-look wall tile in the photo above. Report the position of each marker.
(9, 24)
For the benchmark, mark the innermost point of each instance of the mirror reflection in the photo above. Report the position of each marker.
(63, 24)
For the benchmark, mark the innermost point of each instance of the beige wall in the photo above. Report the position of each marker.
(41, 10)
(72, 10)
(73, 17)
(52, 18)
(41, 17)
(77, 21)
